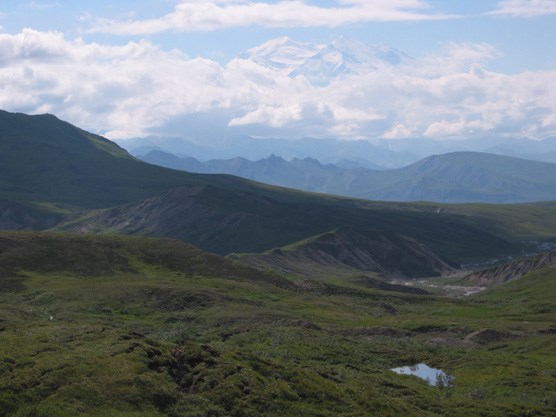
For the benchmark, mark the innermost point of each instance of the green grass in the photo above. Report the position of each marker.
(518, 221)
(114, 326)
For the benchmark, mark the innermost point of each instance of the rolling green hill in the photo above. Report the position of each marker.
(114, 326)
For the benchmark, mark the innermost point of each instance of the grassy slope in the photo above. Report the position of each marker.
(130, 331)
(46, 160)
(519, 221)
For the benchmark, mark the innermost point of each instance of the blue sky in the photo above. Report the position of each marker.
(114, 50)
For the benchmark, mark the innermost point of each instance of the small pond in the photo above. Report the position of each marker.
(434, 377)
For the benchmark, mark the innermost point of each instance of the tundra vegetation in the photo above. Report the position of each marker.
(132, 326)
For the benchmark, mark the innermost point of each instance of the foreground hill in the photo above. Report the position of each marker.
(346, 251)
(86, 255)
(457, 177)
(117, 326)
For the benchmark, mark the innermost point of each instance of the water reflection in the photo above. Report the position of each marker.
(434, 377)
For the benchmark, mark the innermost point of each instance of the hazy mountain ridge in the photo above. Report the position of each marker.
(374, 154)
(281, 53)
(361, 153)
(451, 178)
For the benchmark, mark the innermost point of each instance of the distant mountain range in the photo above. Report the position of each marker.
(376, 154)
(352, 153)
(451, 178)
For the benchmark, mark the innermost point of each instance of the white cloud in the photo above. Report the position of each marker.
(525, 8)
(41, 6)
(207, 15)
(137, 89)
(399, 131)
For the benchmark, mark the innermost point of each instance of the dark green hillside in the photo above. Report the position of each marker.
(256, 219)
(88, 255)
(46, 159)
(121, 327)
(25, 215)
(529, 297)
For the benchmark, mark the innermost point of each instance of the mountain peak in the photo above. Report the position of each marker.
(367, 54)
(274, 157)
(343, 42)
(280, 53)
(321, 63)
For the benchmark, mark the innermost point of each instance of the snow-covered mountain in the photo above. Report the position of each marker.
(321, 63)
(281, 53)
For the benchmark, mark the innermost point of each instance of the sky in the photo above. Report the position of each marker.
(129, 69)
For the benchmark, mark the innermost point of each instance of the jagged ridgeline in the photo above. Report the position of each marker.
(457, 177)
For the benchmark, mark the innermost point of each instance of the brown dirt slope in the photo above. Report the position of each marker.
(388, 254)
(510, 271)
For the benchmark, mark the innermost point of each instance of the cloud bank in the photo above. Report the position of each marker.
(137, 89)
(525, 8)
(208, 15)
